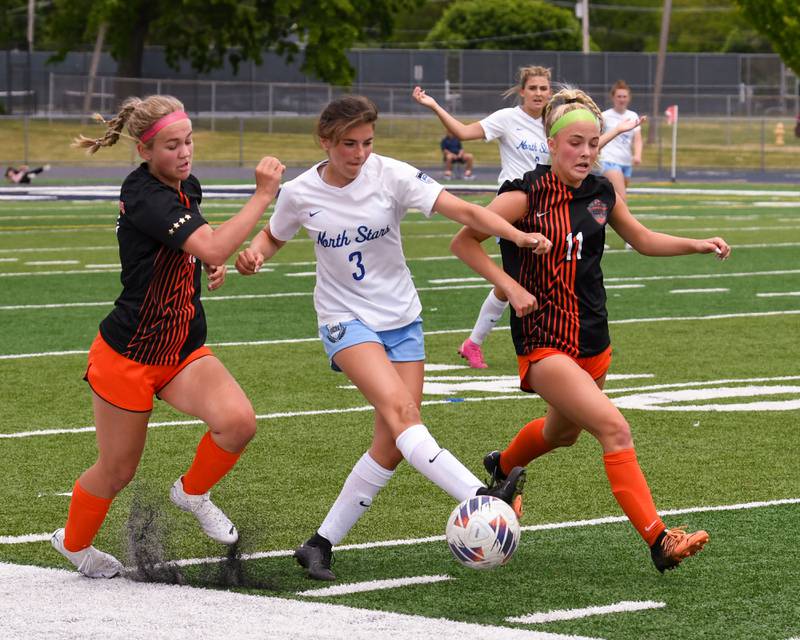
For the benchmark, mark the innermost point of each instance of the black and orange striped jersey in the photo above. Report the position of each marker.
(567, 282)
(158, 318)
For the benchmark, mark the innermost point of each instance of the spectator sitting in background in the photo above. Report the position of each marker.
(23, 175)
(453, 152)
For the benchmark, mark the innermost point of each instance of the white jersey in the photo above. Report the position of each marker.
(523, 144)
(620, 149)
(361, 269)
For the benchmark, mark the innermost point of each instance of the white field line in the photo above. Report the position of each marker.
(717, 290)
(250, 343)
(558, 615)
(61, 605)
(425, 403)
(483, 284)
(371, 585)
(778, 294)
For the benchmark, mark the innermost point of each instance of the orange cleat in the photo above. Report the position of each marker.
(675, 545)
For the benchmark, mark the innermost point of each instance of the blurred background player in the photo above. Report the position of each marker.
(523, 146)
(560, 328)
(453, 153)
(152, 343)
(623, 152)
(368, 311)
(23, 174)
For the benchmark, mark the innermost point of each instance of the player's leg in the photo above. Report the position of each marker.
(120, 438)
(489, 315)
(205, 389)
(572, 392)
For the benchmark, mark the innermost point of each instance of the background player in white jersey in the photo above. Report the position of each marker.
(523, 145)
(368, 310)
(625, 150)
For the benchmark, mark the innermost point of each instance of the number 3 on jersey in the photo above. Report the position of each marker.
(356, 257)
(577, 243)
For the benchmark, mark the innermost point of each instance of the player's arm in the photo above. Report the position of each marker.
(215, 245)
(653, 243)
(622, 127)
(262, 248)
(638, 145)
(472, 131)
(466, 245)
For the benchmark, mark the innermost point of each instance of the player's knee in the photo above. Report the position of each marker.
(119, 475)
(238, 424)
(617, 433)
(403, 413)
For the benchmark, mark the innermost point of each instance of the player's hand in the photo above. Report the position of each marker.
(522, 301)
(535, 241)
(268, 176)
(249, 262)
(630, 123)
(216, 275)
(714, 245)
(423, 98)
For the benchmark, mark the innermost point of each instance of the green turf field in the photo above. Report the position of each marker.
(706, 354)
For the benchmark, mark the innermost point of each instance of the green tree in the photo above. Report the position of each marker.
(624, 25)
(207, 32)
(779, 22)
(506, 24)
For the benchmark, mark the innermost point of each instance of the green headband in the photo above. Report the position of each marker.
(576, 115)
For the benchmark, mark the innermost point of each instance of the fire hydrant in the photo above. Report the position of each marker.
(779, 134)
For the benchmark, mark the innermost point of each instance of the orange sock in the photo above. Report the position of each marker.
(632, 493)
(86, 515)
(210, 464)
(528, 444)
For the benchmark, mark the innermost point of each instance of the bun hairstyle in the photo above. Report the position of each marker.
(566, 100)
(136, 115)
(343, 114)
(523, 73)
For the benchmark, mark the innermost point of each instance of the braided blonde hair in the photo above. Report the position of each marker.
(137, 115)
(566, 100)
(522, 77)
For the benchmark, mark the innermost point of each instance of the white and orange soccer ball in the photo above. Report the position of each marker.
(482, 532)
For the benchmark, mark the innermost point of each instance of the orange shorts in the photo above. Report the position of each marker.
(128, 384)
(595, 366)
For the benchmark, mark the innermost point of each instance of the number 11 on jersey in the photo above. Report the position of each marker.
(576, 242)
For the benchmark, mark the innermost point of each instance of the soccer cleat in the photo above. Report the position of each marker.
(508, 490)
(491, 462)
(675, 545)
(91, 562)
(316, 560)
(214, 523)
(472, 353)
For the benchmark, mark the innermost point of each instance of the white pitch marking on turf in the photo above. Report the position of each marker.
(45, 263)
(452, 280)
(301, 274)
(663, 400)
(778, 294)
(102, 266)
(371, 585)
(558, 615)
(9, 259)
(717, 290)
(54, 603)
(444, 367)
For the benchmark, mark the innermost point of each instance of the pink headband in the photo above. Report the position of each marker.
(163, 122)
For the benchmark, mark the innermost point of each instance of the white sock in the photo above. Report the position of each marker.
(491, 311)
(436, 464)
(362, 485)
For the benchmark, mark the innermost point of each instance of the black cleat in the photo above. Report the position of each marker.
(508, 490)
(316, 560)
(491, 462)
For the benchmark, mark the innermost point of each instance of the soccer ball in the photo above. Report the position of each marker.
(482, 532)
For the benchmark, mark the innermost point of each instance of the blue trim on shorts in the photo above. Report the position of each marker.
(406, 344)
(625, 169)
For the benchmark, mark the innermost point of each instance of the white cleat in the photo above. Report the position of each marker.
(214, 523)
(89, 561)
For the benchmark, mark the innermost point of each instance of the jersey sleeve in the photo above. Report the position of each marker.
(411, 187)
(158, 211)
(495, 125)
(284, 223)
(518, 184)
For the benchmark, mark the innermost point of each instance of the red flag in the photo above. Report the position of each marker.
(672, 114)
